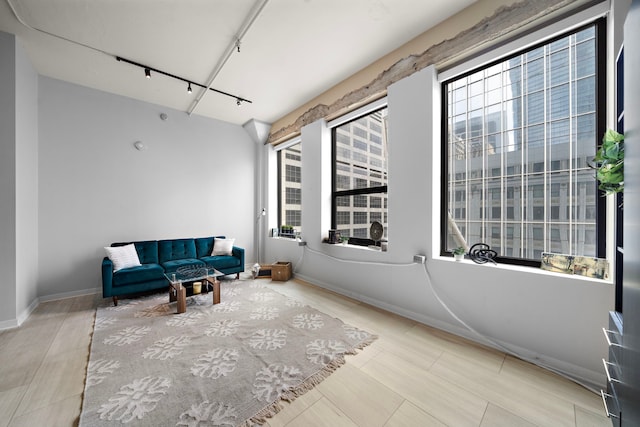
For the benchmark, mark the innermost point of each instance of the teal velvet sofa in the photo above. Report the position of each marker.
(158, 257)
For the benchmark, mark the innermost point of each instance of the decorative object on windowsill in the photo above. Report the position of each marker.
(597, 268)
(334, 236)
(609, 163)
(458, 253)
(376, 231)
(481, 253)
(287, 231)
(344, 240)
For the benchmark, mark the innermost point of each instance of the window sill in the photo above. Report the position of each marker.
(360, 247)
(525, 269)
(285, 239)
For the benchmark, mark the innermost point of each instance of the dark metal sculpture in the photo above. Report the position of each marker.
(481, 253)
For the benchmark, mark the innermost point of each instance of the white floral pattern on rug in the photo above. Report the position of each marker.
(135, 399)
(264, 313)
(167, 348)
(324, 351)
(354, 333)
(274, 380)
(216, 363)
(292, 302)
(262, 297)
(227, 307)
(308, 321)
(222, 328)
(228, 293)
(185, 319)
(104, 323)
(127, 335)
(98, 370)
(205, 413)
(268, 339)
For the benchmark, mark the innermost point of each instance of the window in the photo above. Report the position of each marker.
(359, 194)
(517, 138)
(289, 186)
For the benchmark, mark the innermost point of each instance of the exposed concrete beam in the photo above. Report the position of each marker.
(506, 21)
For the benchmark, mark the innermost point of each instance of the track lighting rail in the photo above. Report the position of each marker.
(147, 69)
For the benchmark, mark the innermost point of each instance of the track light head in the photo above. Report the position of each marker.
(238, 101)
(189, 88)
(147, 73)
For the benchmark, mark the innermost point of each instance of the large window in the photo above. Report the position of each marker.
(360, 176)
(518, 138)
(289, 188)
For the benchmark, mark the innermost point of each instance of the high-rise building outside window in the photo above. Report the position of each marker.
(290, 187)
(360, 176)
(518, 136)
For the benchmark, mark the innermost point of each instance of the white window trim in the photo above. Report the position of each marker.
(364, 110)
(289, 143)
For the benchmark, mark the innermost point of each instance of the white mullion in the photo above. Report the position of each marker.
(545, 149)
(571, 161)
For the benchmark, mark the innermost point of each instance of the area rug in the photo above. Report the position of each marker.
(229, 364)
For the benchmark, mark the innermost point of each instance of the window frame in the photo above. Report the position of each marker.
(335, 194)
(280, 151)
(600, 25)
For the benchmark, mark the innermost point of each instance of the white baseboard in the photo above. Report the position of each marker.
(27, 312)
(593, 380)
(65, 295)
(22, 317)
(8, 324)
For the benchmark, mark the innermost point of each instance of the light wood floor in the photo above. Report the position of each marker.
(413, 375)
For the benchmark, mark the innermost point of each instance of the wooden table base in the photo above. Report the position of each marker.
(179, 294)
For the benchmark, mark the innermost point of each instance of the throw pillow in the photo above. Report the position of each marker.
(123, 256)
(222, 246)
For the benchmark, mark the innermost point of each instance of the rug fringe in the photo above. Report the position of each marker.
(307, 385)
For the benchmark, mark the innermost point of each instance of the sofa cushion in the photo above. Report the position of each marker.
(221, 261)
(171, 266)
(204, 245)
(123, 256)
(147, 250)
(170, 250)
(142, 273)
(222, 247)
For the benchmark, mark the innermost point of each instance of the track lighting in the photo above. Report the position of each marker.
(147, 74)
(238, 45)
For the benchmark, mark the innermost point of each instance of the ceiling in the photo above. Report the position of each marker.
(290, 50)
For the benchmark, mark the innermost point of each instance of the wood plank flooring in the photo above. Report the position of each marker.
(412, 376)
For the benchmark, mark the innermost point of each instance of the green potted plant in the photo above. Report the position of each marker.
(344, 240)
(609, 163)
(458, 253)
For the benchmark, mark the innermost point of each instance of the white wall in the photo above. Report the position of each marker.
(195, 179)
(7, 180)
(26, 185)
(554, 318)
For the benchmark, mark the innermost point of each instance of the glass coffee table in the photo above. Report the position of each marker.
(184, 277)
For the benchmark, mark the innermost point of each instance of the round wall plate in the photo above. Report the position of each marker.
(376, 231)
